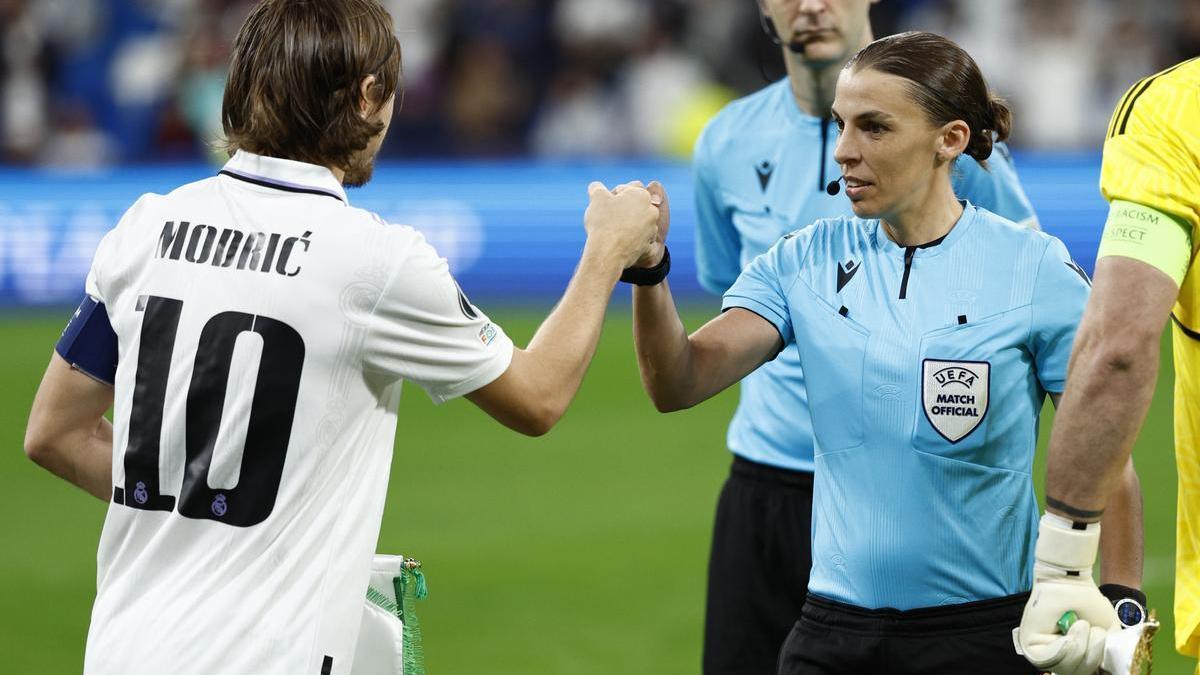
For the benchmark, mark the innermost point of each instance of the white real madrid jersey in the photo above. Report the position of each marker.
(264, 328)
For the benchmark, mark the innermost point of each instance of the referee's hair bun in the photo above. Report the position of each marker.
(989, 131)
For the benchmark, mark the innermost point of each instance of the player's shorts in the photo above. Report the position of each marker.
(758, 569)
(832, 638)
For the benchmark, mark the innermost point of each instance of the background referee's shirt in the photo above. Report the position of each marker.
(761, 167)
(926, 370)
(264, 328)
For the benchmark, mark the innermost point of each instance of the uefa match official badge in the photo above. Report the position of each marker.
(955, 395)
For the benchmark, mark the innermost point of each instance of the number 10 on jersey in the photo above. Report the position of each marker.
(268, 429)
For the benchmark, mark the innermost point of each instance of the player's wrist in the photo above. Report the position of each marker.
(649, 276)
(1066, 546)
(602, 257)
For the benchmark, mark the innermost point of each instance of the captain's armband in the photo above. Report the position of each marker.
(1158, 239)
(88, 343)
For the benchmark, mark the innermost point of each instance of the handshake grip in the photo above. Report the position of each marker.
(1067, 620)
(630, 222)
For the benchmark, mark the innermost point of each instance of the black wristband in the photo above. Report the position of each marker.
(1115, 592)
(649, 276)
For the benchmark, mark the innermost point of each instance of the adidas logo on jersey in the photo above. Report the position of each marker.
(230, 247)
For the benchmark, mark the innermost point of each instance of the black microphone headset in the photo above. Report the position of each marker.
(834, 186)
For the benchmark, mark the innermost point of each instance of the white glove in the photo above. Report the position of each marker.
(1062, 582)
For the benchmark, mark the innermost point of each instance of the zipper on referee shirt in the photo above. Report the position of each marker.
(908, 258)
(909, 252)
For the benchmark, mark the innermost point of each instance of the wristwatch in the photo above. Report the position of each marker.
(1130, 604)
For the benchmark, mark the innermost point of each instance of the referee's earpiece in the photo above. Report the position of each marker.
(768, 27)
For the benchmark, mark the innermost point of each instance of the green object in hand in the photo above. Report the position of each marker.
(1067, 620)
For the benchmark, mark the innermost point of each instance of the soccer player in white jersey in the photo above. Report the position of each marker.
(251, 332)
(926, 371)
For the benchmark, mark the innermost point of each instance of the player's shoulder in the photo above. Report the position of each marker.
(1185, 75)
(748, 113)
(1169, 97)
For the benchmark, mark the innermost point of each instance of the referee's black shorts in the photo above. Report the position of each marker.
(758, 569)
(974, 638)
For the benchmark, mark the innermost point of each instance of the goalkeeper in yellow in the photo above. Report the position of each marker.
(1146, 278)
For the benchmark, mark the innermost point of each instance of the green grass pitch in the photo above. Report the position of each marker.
(577, 553)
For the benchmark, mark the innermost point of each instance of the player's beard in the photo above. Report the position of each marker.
(359, 171)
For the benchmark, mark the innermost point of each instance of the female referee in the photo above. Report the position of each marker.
(930, 331)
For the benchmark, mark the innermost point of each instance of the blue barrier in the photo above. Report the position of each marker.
(512, 231)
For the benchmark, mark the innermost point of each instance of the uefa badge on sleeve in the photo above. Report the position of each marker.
(487, 334)
(955, 395)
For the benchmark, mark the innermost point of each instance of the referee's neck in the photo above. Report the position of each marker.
(814, 83)
(926, 222)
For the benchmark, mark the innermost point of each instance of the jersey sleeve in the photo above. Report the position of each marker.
(425, 330)
(760, 289)
(91, 283)
(718, 246)
(995, 188)
(1151, 177)
(109, 262)
(1060, 293)
(88, 342)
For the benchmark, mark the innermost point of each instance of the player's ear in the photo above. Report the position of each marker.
(952, 140)
(366, 105)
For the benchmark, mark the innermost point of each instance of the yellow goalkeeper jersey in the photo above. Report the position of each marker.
(1151, 176)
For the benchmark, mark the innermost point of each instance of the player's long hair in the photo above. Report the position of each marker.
(295, 77)
(946, 83)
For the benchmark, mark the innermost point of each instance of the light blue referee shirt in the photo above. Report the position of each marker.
(926, 370)
(761, 169)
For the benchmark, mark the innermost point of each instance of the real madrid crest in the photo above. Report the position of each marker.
(955, 395)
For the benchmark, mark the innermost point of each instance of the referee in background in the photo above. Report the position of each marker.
(764, 167)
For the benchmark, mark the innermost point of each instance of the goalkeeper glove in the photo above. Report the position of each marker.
(1062, 584)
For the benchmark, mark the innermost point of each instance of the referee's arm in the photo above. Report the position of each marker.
(678, 370)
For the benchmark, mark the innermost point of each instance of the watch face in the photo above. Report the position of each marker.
(1129, 612)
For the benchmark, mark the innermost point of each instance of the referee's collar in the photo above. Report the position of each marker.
(964, 222)
(284, 174)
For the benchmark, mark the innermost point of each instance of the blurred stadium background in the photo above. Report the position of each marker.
(582, 552)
